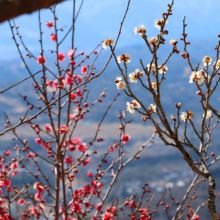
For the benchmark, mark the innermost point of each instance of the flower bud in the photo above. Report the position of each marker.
(144, 118)
(179, 104)
(173, 117)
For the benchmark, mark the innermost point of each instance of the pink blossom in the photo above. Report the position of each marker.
(37, 196)
(50, 83)
(44, 145)
(86, 162)
(30, 154)
(68, 160)
(49, 24)
(70, 53)
(125, 138)
(76, 207)
(38, 187)
(196, 217)
(72, 147)
(107, 216)
(7, 153)
(38, 140)
(2, 184)
(69, 80)
(72, 96)
(133, 204)
(34, 210)
(81, 147)
(99, 185)
(61, 57)
(53, 37)
(55, 83)
(112, 148)
(63, 129)
(86, 105)
(14, 166)
(14, 173)
(93, 183)
(95, 218)
(79, 93)
(21, 201)
(99, 207)
(76, 140)
(79, 78)
(9, 189)
(41, 60)
(89, 174)
(7, 182)
(83, 69)
(0, 165)
(73, 117)
(48, 128)
(72, 62)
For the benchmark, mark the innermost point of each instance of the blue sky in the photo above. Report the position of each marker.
(100, 19)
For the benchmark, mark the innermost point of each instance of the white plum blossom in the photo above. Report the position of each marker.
(154, 85)
(153, 108)
(138, 72)
(208, 115)
(173, 42)
(197, 77)
(120, 85)
(133, 77)
(142, 30)
(186, 116)
(136, 104)
(207, 60)
(123, 57)
(159, 22)
(107, 42)
(153, 40)
(118, 79)
(217, 64)
(163, 69)
(153, 68)
(130, 108)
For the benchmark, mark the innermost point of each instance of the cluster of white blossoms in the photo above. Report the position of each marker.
(152, 67)
(208, 115)
(153, 40)
(123, 57)
(158, 23)
(134, 76)
(185, 116)
(107, 42)
(142, 31)
(207, 60)
(119, 84)
(199, 77)
(133, 104)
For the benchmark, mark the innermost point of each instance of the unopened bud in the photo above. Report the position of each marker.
(179, 104)
(144, 118)
(173, 117)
